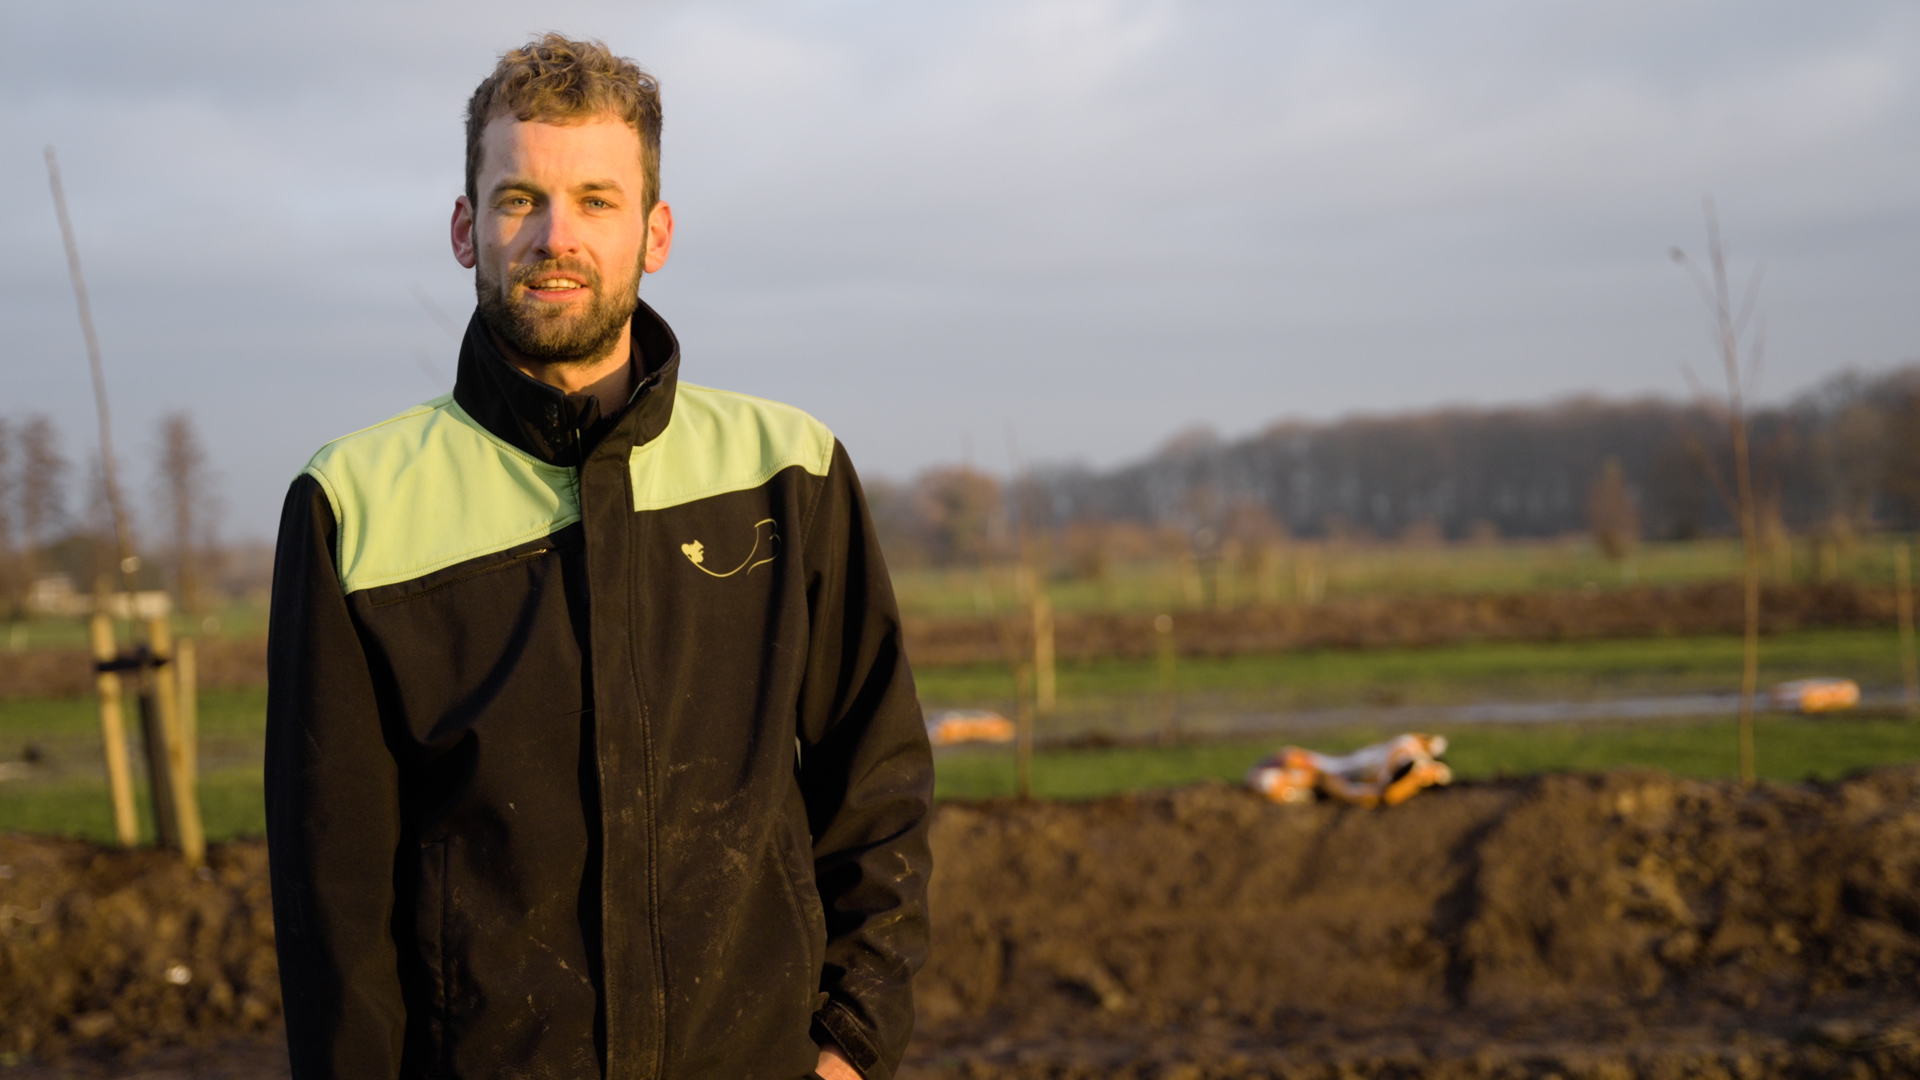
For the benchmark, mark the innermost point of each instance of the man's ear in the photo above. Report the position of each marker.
(464, 250)
(659, 236)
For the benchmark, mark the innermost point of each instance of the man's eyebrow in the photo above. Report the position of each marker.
(512, 183)
(521, 183)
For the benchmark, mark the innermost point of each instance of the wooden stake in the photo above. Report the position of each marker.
(1903, 603)
(1023, 729)
(189, 835)
(1226, 579)
(113, 733)
(1044, 684)
(1268, 580)
(1190, 581)
(1310, 582)
(1749, 667)
(166, 834)
(1169, 696)
(186, 665)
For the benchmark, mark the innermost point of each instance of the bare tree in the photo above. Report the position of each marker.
(957, 506)
(1855, 449)
(42, 490)
(1730, 326)
(1612, 517)
(125, 560)
(109, 530)
(184, 488)
(1900, 461)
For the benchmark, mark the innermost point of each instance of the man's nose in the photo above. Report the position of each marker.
(560, 236)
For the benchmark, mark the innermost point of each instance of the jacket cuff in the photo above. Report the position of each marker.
(833, 1021)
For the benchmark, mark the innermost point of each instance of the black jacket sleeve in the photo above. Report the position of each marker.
(332, 815)
(867, 774)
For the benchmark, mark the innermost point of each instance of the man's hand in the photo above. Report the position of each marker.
(834, 1064)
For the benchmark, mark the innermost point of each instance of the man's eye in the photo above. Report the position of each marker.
(515, 202)
(598, 204)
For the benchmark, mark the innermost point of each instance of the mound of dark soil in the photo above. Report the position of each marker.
(1591, 926)
(127, 951)
(1607, 927)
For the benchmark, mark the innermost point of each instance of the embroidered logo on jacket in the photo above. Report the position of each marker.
(766, 544)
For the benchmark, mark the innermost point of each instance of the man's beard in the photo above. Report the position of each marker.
(545, 334)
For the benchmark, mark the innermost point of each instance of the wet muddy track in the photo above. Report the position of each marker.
(1606, 926)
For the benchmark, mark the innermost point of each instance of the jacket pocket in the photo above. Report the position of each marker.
(430, 930)
(388, 595)
(804, 889)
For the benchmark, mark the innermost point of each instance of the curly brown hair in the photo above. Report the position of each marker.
(559, 80)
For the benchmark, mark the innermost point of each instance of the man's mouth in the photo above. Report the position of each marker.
(556, 287)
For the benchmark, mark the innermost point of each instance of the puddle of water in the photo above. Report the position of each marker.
(1434, 717)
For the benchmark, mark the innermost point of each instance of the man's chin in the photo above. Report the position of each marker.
(564, 350)
(563, 341)
(555, 332)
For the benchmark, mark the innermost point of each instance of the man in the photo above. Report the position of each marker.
(591, 750)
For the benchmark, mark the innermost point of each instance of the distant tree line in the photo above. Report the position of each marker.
(49, 534)
(1844, 457)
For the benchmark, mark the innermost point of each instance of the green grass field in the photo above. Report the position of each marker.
(71, 797)
(1788, 748)
(1122, 696)
(67, 794)
(1395, 569)
(1333, 570)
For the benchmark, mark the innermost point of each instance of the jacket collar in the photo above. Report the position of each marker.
(540, 420)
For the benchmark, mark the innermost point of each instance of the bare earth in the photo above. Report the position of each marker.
(1627, 925)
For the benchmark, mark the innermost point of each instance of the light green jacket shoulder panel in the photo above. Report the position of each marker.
(718, 441)
(431, 488)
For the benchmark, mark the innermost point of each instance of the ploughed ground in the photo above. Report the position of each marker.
(1625, 925)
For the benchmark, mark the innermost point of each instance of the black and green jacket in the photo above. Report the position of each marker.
(591, 757)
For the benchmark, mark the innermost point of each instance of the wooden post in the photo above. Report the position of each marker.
(1190, 582)
(153, 735)
(1310, 580)
(1903, 603)
(1269, 574)
(1169, 694)
(1226, 575)
(1023, 729)
(186, 663)
(1045, 687)
(189, 835)
(113, 733)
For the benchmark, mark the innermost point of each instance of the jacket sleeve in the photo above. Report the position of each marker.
(867, 774)
(332, 815)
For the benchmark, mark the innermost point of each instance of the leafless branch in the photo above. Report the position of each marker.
(122, 529)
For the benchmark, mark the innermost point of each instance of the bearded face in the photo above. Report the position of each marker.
(558, 237)
(572, 330)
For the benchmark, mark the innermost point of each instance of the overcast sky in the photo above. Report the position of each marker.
(1090, 225)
